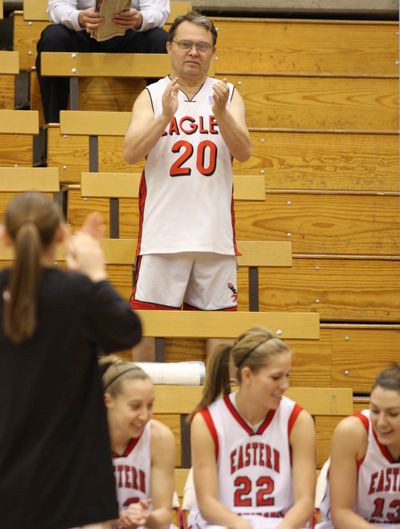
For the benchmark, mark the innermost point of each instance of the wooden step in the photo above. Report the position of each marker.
(355, 48)
(324, 222)
(323, 103)
(340, 290)
(323, 160)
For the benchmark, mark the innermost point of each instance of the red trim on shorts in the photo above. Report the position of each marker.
(187, 306)
(142, 201)
(211, 426)
(147, 305)
(365, 422)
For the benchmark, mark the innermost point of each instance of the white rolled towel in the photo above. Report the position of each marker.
(177, 373)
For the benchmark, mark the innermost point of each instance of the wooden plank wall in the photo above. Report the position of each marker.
(322, 104)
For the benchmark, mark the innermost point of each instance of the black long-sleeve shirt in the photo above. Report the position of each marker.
(55, 456)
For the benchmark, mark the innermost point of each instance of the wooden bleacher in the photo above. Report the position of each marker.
(9, 68)
(31, 21)
(17, 128)
(327, 146)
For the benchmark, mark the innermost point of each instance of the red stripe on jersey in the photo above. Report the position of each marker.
(243, 423)
(292, 419)
(365, 423)
(233, 225)
(293, 416)
(213, 431)
(131, 445)
(142, 201)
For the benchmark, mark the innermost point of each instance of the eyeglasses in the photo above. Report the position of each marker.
(186, 45)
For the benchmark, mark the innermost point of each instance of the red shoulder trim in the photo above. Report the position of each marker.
(211, 426)
(130, 446)
(365, 422)
(293, 416)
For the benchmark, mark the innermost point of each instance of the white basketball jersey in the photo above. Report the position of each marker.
(132, 470)
(186, 190)
(254, 467)
(378, 483)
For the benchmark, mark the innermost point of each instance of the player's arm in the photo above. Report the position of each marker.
(349, 443)
(162, 476)
(232, 121)
(145, 129)
(302, 442)
(206, 479)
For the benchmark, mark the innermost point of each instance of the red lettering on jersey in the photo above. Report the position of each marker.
(268, 456)
(127, 474)
(388, 480)
(255, 454)
(189, 125)
(276, 461)
(233, 466)
(202, 128)
(192, 125)
(372, 489)
(240, 458)
(248, 456)
(142, 481)
(173, 127)
(379, 488)
(213, 125)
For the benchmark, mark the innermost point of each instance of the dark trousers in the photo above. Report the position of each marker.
(57, 37)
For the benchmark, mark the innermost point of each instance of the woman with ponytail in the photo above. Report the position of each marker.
(55, 469)
(143, 449)
(253, 451)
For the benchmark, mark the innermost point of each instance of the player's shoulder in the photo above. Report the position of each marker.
(160, 431)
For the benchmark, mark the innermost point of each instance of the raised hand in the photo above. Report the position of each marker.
(220, 97)
(84, 252)
(170, 99)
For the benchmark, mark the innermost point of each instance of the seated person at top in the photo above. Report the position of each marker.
(364, 473)
(73, 23)
(253, 451)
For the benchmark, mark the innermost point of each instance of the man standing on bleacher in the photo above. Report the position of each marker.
(73, 24)
(188, 126)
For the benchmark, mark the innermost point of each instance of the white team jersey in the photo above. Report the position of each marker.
(378, 484)
(186, 190)
(132, 470)
(254, 467)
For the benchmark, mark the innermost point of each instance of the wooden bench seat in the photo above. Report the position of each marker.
(17, 128)
(9, 68)
(288, 159)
